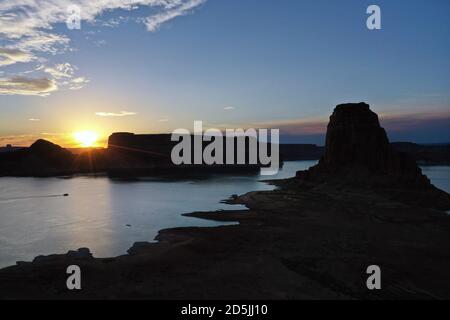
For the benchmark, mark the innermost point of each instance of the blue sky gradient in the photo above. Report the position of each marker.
(247, 63)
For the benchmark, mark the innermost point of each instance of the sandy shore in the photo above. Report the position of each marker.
(297, 242)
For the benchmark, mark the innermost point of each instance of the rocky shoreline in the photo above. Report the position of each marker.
(297, 242)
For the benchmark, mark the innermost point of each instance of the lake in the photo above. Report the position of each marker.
(109, 215)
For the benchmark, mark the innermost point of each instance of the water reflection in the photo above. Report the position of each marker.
(108, 215)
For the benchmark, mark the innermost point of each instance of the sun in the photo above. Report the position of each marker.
(86, 139)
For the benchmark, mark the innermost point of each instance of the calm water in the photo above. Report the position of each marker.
(98, 210)
(439, 176)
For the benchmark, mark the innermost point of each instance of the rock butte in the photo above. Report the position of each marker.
(358, 154)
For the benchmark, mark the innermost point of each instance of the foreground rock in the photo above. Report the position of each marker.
(292, 244)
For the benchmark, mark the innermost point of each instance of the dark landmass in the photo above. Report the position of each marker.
(424, 154)
(127, 160)
(9, 148)
(431, 154)
(312, 238)
(127, 154)
(298, 152)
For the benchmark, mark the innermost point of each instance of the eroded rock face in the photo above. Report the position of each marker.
(354, 136)
(358, 154)
(355, 139)
(357, 143)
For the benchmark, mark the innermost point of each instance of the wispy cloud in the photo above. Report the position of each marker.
(64, 74)
(28, 34)
(391, 121)
(176, 9)
(25, 140)
(115, 114)
(59, 71)
(77, 83)
(228, 108)
(402, 121)
(10, 56)
(310, 126)
(27, 86)
(34, 119)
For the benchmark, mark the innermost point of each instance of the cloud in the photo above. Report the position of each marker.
(59, 71)
(19, 140)
(10, 56)
(40, 41)
(163, 120)
(27, 27)
(31, 21)
(25, 140)
(64, 75)
(391, 121)
(117, 114)
(311, 126)
(78, 83)
(423, 127)
(27, 86)
(154, 22)
(228, 108)
(34, 119)
(100, 43)
(406, 121)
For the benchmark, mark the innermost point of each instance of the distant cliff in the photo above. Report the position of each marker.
(430, 154)
(127, 154)
(146, 152)
(294, 152)
(139, 151)
(424, 154)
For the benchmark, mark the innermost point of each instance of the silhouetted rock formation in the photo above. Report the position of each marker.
(127, 154)
(354, 137)
(152, 153)
(50, 154)
(41, 158)
(9, 148)
(358, 153)
(139, 151)
(429, 154)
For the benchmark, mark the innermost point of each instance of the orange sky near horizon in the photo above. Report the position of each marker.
(97, 135)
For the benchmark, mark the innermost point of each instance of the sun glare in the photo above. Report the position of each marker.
(86, 139)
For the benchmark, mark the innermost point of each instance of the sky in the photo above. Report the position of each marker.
(152, 66)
